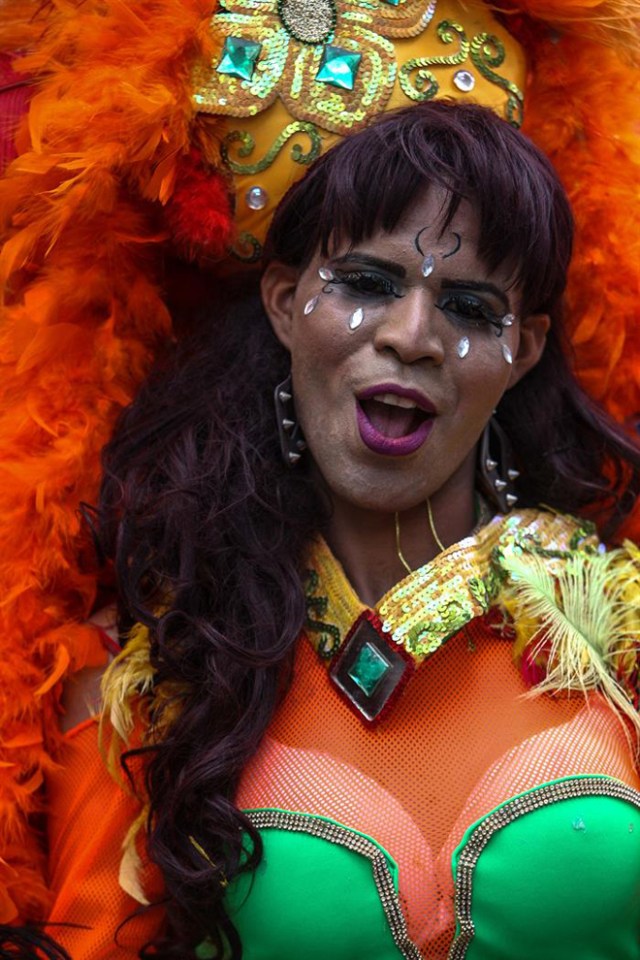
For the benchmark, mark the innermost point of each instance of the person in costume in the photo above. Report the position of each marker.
(81, 318)
(328, 734)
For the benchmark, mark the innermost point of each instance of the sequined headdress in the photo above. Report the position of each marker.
(148, 124)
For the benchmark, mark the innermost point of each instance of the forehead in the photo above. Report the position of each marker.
(423, 228)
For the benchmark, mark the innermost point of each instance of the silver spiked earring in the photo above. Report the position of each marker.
(292, 442)
(496, 472)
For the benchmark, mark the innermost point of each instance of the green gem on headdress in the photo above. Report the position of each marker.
(239, 57)
(339, 67)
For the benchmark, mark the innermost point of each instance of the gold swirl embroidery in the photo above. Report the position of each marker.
(247, 248)
(487, 51)
(248, 144)
(415, 89)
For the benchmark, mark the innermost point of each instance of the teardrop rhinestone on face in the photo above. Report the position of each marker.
(463, 347)
(356, 318)
(428, 264)
(506, 353)
(325, 274)
(310, 306)
(507, 320)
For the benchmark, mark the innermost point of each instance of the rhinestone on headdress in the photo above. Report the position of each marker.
(464, 80)
(428, 264)
(256, 198)
(463, 347)
(339, 67)
(239, 57)
(356, 318)
(309, 21)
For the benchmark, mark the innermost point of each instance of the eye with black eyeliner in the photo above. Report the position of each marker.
(469, 310)
(366, 283)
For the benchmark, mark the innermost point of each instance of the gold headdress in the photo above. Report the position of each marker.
(145, 117)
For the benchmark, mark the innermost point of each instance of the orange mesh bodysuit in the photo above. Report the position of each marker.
(462, 739)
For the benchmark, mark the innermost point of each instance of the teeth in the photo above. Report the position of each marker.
(395, 401)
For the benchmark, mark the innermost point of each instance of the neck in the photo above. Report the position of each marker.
(364, 541)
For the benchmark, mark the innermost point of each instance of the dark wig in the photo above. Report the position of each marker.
(208, 529)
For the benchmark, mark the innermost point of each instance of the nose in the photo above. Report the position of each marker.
(411, 329)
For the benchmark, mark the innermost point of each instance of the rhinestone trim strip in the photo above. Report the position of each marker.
(336, 833)
(502, 817)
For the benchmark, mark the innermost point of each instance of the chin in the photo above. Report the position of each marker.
(363, 493)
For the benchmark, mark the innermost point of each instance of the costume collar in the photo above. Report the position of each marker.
(434, 602)
(373, 651)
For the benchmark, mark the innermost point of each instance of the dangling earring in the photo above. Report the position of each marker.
(291, 440)
(495, 469)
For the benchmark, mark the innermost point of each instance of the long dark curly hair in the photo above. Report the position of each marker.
(207, 528)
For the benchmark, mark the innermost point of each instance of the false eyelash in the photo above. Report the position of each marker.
(351, 278)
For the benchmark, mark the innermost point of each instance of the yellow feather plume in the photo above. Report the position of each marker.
(583, 615)
(127, 679)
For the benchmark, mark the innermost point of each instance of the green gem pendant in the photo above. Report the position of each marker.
(370, 669)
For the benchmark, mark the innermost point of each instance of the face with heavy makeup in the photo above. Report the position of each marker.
(401, 347)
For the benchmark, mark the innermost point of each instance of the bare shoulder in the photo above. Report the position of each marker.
(81, 693)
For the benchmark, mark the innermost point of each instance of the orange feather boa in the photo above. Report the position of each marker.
(83, 231)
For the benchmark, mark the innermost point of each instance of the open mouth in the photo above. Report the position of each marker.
(391, 424)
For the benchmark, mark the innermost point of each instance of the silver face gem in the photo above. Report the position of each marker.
(513, 474)
(464, 80)
(256, 198)
(310, 306)
(507, 320)
(511, 499)
(428, 264)
(356, 318)
(500, 485)
(490, 464)
(463, 347)
(325, 274)
(506, 353)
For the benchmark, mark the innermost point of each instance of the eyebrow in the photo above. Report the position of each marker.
(479, 286)
(354, 256)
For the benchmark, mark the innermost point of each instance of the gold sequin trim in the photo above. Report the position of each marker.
(436, 601)
(248, 144)
(424, 85)
(246, 248)
(338, 834)
(487, 51)
(502, 817)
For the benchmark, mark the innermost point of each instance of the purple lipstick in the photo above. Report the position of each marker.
(394, 421)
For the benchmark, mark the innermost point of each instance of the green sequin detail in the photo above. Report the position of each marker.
(369, 669)
(487, 51)
(248, 144)
(339, 67)
(393, 3)
(424, 85)
(329, 634)
(239, 57)
(247, 248)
